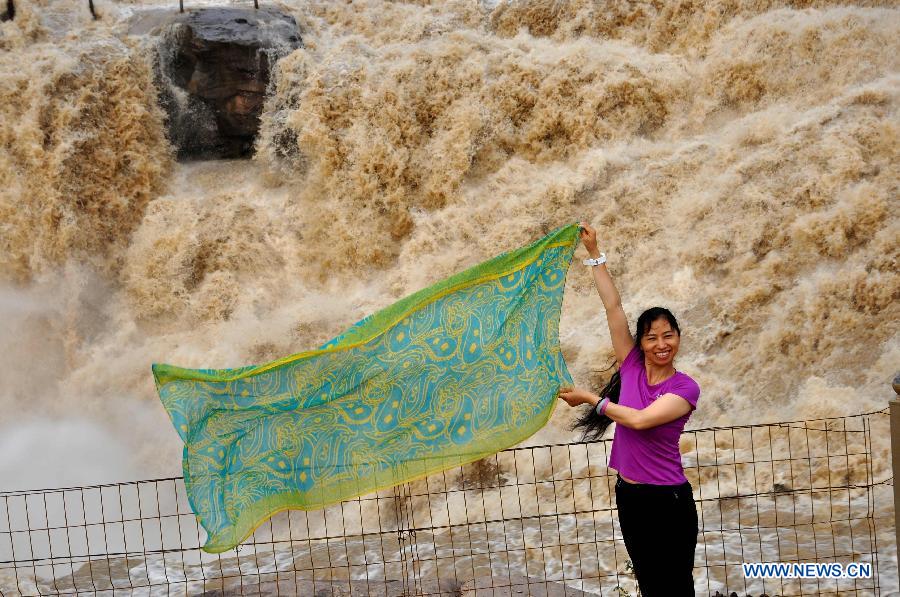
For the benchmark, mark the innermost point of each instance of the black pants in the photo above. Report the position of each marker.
(659, 525)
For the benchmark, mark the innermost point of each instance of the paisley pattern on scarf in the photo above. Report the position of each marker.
(445, 376)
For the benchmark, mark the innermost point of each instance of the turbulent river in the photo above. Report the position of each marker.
(738, 157)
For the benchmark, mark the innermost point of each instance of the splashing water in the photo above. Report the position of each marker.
(738, 159)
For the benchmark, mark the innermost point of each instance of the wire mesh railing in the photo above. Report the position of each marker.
(537, 520)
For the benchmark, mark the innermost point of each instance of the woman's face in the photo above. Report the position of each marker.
(660, 343)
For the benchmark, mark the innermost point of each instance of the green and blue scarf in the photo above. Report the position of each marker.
(445, 376)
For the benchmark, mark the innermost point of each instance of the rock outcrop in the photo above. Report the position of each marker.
(213, 70)
(8, 13)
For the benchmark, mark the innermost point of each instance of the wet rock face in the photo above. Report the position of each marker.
(213, 71)
(8, 12)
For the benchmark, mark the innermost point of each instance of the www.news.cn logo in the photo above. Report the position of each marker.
(807, 570)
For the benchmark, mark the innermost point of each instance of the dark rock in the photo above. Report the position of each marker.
(10, 13)
(213, 72)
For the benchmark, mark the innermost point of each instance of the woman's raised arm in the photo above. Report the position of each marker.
(619, 333)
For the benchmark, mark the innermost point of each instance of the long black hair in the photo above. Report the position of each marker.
(594, 425)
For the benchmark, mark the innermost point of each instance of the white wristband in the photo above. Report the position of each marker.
(596, 261)
(601, 405)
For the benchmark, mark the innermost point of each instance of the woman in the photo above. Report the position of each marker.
(657, 513)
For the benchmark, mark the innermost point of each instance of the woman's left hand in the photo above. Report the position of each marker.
(576, 396)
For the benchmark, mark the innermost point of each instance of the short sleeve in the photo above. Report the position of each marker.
(633, 359)
(687, 388)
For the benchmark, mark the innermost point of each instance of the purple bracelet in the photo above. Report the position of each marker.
(601, 406)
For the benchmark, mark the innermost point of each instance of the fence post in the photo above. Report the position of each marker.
(895, 454)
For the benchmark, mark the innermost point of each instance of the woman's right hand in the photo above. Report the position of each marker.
(589, 239)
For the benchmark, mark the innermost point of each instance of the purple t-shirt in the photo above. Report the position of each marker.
(650, 455)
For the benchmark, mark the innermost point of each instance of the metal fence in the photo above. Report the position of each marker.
(536, 520)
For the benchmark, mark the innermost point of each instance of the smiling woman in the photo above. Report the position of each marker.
(650, 401)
